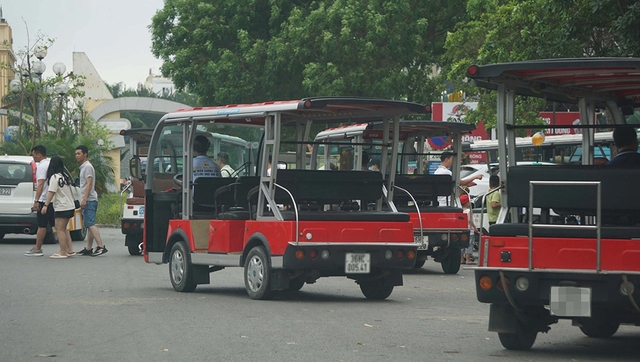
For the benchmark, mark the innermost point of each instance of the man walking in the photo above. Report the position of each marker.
(89, 202)
(39, 154)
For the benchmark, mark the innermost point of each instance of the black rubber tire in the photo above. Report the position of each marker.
(295, 284)
(598, 328)
(134, 250)
(376, 290)
(78, 235)
(133, 242)
(180, 268)
(522, 340)
(451, 263)
(257, 274)
(419, 264)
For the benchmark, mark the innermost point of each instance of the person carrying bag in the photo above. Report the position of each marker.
(61, 195)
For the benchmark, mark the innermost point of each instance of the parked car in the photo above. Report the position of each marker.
(17, 192)
(481, 186)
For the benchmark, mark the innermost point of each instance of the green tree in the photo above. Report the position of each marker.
(255, 50)
(64, 147)
(515, 30)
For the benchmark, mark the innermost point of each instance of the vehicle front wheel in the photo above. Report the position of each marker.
(598, 328)
(180, 268)
(257, 274)
(451, 263)
(376, 290)
(522, 340)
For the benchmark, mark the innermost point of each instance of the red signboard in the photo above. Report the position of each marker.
(561, 119)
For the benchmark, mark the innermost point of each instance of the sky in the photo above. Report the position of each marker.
(113, 33)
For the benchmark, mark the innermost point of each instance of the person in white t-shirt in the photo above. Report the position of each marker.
(446, 161)
(223, 161)
(61, 195)
(39, 154)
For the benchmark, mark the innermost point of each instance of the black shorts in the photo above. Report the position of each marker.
(66, 214)
(46, 219)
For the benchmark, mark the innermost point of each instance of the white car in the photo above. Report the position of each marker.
(480, 187)
(17, 192)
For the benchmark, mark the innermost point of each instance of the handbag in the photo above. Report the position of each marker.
(76, 203)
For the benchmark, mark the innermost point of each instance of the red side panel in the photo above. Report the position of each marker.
(562, 253)
(185, 225)
(226, 236)
(280, 233)
(440, 220)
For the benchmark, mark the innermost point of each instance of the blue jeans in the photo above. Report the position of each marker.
(89, 213)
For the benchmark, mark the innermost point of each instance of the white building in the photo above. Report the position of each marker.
(159, 85)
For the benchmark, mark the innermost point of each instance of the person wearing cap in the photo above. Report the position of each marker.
(446, 161)
(223, 161)
(466, 255)
(203, 166)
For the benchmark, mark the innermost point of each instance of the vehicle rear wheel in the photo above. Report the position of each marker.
(133, 244)
(522, 340)
(376, 290)
(134, 250)
(419, 264)
(78, 235)
(257, 274)
(598, 328)
(180, 268)
(451, 263)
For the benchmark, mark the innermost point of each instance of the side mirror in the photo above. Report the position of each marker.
(135, 167)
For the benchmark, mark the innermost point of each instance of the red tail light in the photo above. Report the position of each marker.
(33, 173)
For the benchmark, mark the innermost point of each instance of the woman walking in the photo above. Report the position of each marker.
(60, 193)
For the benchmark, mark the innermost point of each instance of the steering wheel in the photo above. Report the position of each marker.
(242, 167)
(177, 179)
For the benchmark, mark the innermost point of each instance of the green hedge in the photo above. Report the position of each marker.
(109, 209)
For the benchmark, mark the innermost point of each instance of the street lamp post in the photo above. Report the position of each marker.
(33, 71)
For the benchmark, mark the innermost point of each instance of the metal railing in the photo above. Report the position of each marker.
(596, 227)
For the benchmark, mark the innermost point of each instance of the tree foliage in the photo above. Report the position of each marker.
(33, 97)
(515, 30)
(64, 147)
(244, 51)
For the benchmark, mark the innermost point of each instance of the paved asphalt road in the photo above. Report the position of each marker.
(117, 308)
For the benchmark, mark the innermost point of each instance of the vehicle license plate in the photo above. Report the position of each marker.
(5, 191)
(357, 263)
(141, 211)
(570, 301)
(423, 243)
